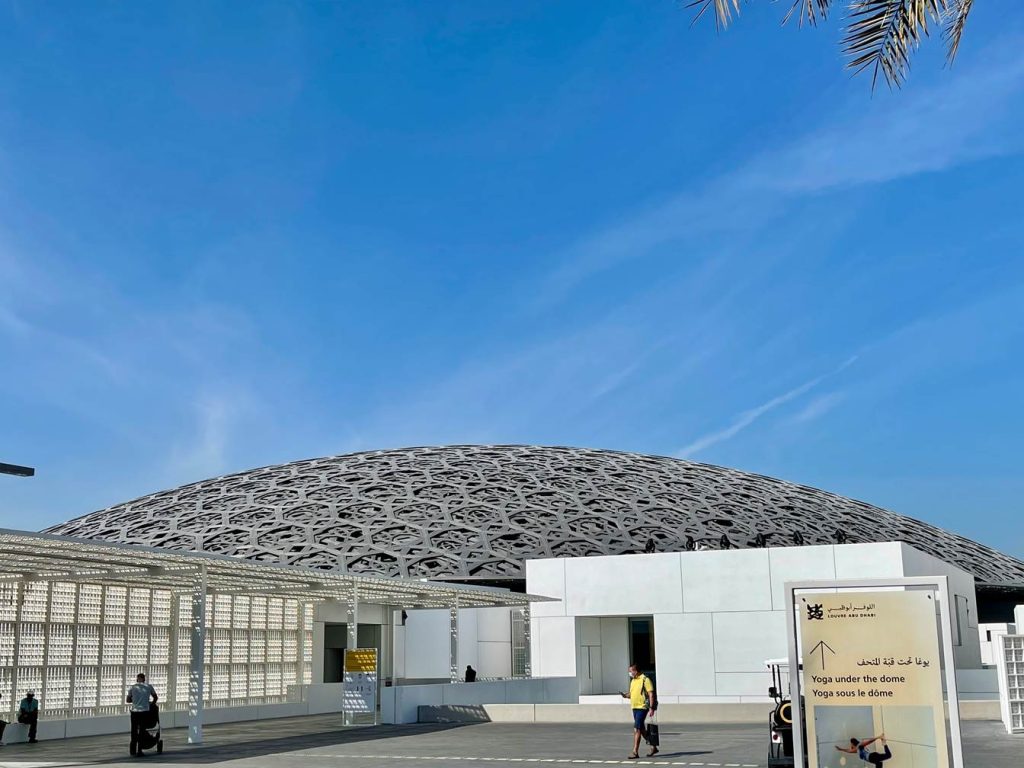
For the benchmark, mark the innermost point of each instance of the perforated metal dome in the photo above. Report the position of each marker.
(477, 512)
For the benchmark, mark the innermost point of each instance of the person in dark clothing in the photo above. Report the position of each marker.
(470, 674)
(141, 696)
(860, 748)
(28, 713)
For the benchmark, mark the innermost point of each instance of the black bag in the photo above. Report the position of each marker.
(653, 737)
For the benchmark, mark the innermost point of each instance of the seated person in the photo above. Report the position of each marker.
(28, 713)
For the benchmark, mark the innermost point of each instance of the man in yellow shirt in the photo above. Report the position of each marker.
(641, 701)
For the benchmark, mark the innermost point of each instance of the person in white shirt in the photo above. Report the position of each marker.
(141, 697)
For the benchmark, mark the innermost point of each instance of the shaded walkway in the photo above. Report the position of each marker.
(224, 742)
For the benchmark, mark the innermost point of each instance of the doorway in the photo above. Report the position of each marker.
(605, 646)
(335, 642)
(641, 644)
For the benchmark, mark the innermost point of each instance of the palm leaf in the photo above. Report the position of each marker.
(883, 33)
(955, 27)
(724, 11)
(809, 11)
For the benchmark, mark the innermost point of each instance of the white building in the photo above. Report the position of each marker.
(550, 521)
(704, 622)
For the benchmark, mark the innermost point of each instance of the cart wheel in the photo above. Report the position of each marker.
(160, 747)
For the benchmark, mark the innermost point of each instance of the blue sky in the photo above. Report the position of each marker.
(237, 234)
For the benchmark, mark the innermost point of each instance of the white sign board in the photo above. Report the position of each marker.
(360, 681)
(872, 679)
(872, 662)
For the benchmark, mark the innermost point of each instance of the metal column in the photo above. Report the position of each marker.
(527, 643)
(173, 646)
(19, 603)
(197, 659)
(453, 650)
(47, 631)
(73, 671)
(352, 625)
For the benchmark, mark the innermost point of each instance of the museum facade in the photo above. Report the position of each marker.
(566, 523)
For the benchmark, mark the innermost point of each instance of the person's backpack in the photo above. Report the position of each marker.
(648, 703)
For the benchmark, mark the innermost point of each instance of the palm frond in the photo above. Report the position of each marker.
(883, 33)
(724, 11)
(810, 11)
(955, 27)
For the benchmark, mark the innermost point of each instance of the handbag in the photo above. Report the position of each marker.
(653, 737)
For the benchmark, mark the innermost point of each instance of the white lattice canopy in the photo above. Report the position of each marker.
(32, 557)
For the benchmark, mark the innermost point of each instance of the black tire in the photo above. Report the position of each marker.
(160, 747)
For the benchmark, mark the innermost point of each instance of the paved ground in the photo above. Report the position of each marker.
(317, 742)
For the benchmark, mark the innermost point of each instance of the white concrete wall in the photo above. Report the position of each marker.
(485, 641)
(717, 614)
(494, 642)
(552, 630)
(963, 609)
(401, 704)
(399, 647)
(421, 648)
(614, 654)
(988, 638)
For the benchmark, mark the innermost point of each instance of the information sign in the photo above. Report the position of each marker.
(360, 681)
(872, 679)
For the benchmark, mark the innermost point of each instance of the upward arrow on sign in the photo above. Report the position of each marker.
(822, 646)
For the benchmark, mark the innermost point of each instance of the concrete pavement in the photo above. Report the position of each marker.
(320, 742)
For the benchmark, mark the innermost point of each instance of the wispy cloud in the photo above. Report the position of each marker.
(930, 130)
(818, 407)
(748, 417)
(205, 450)
(174, 383)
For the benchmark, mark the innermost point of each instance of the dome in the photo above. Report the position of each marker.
(477, 512)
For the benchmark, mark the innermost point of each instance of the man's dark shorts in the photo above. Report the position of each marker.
(639, 715)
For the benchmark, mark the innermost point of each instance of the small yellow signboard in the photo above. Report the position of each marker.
(359, 693)
(361, 660)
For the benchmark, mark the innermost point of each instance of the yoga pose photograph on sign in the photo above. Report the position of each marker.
(860, 748)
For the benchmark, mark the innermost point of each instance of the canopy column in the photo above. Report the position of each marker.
(527, 643)
(197, 659)
(453, 648)
(352, 625)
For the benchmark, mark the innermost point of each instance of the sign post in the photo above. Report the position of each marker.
(359, 692)
(870, 681)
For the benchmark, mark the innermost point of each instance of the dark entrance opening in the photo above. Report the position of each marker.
(335, 642)
(641, 644)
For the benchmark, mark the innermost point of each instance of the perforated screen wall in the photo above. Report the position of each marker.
(79, 646)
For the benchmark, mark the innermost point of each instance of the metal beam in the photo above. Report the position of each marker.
(16, 469)
(45, 557)
(93, 576)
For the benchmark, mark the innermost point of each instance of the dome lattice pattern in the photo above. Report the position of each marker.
(476, 512)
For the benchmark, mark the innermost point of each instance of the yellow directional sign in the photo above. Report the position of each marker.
(361, 660)
(359, 693)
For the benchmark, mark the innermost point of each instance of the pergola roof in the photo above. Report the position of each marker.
(27, 557)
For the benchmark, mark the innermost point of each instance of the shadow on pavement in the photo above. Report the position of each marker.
(693, 753)
(219, 746)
